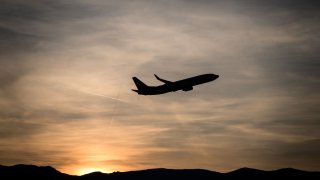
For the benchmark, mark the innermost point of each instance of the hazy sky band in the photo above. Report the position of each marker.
(61, 60)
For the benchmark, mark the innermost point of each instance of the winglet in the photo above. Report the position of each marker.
(156, 76)
(162, 80)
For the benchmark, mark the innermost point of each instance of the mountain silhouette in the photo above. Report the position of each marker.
(31, 172)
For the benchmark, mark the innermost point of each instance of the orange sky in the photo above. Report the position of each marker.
(65, 84)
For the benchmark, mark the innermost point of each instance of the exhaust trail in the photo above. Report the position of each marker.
(94, 94)
(104, 96)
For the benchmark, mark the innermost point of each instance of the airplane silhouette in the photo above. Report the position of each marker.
(168, 86)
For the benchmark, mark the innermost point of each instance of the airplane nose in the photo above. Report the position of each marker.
(214, 76)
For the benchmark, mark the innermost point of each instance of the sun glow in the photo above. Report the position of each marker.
(90, 170)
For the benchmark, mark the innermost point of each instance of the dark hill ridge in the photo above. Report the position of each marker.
(46, 172)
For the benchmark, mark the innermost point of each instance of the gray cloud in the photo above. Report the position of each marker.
(60, 61)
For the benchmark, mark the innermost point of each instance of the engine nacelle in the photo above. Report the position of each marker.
(188, 88)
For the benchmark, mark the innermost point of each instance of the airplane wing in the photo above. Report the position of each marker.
(162, 80)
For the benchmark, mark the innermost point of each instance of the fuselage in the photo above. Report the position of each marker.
(185, 85)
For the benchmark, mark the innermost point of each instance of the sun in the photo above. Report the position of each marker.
(90, 170)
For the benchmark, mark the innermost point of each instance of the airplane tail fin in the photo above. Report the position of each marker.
(140, 85)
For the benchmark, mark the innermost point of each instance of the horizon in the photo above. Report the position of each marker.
(90, 171)
(66, 71)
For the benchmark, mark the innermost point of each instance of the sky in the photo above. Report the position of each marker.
(65, 84)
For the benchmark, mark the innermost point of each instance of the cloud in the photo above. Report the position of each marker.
(56, 55)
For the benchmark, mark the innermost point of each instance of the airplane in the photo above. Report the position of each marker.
(169, 86)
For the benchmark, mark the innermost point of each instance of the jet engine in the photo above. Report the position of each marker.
(188, 88)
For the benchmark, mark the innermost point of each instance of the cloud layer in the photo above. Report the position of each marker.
(63, 64)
